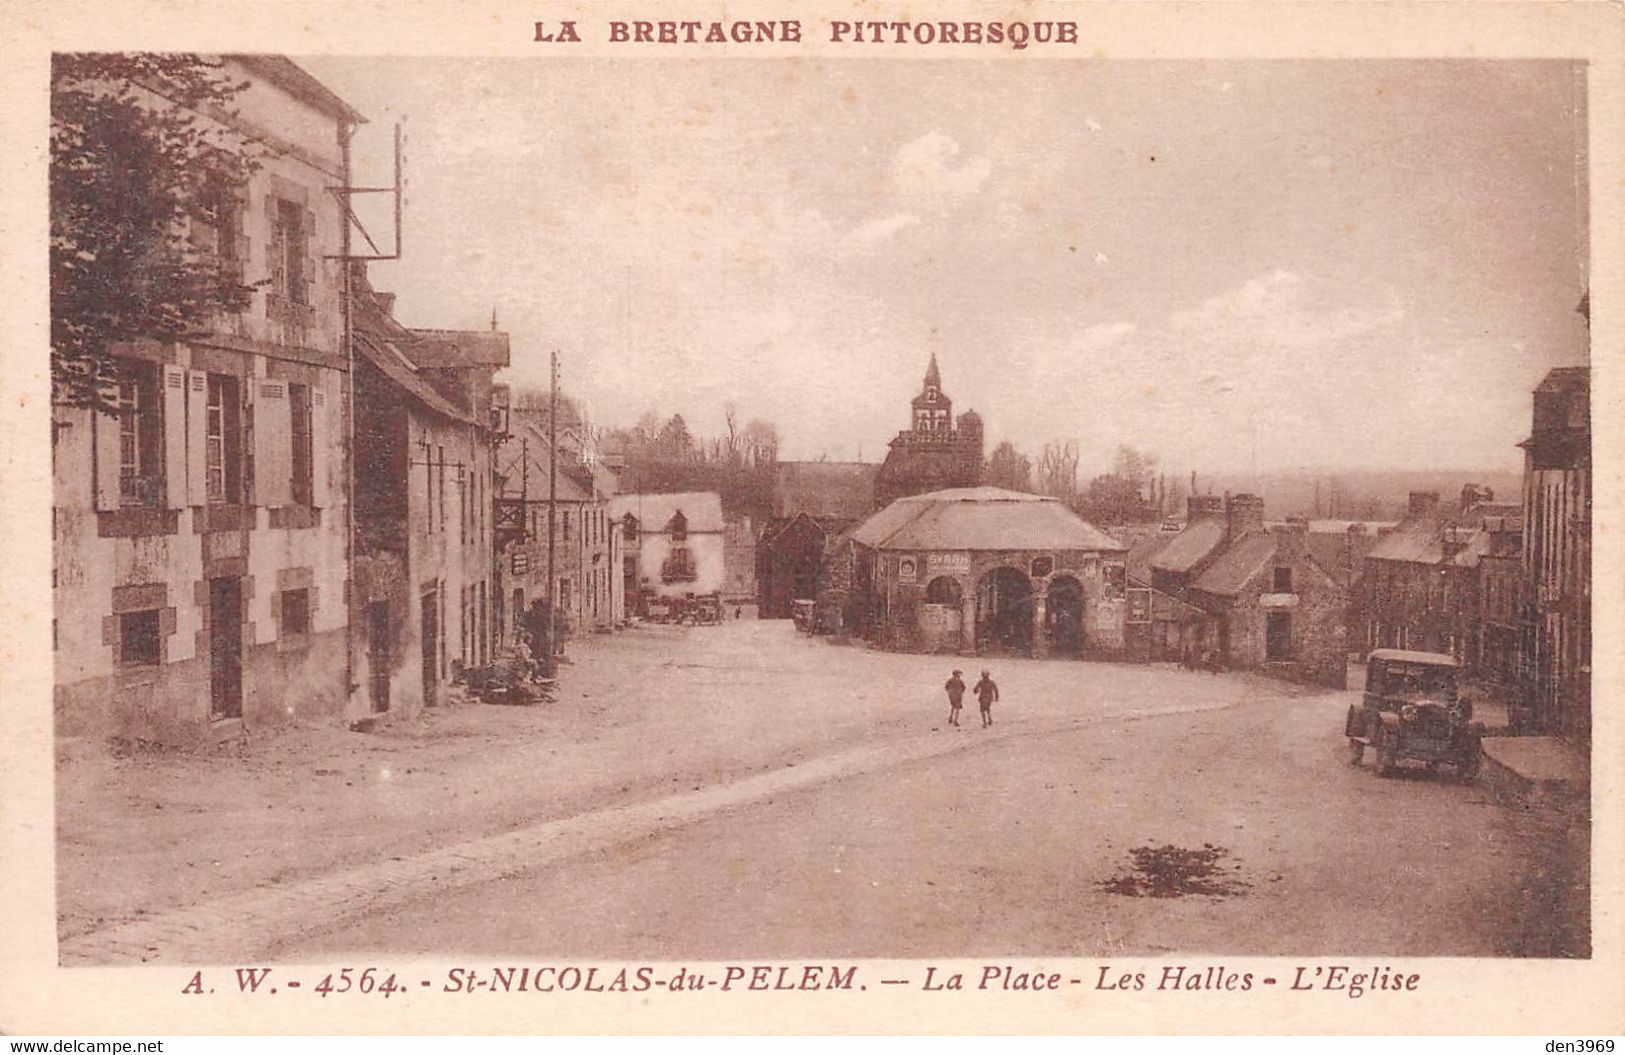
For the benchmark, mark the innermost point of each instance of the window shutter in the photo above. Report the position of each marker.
(174, 397)
(105, 428)
(313, 257)
(273, 443)
(197, 407)
(273, 249)
(321, 460)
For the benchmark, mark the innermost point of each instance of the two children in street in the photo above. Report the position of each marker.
(987, 691)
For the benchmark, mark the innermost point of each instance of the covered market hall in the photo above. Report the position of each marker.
(981, 569)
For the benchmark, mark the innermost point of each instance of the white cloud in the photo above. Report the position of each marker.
(880, 229)
(1278, 309)
(925, 171)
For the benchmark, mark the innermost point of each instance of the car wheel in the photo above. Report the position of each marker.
(1356, 752)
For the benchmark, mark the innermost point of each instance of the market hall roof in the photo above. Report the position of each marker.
(981, 518)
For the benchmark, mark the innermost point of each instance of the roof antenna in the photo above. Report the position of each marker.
(493, 318)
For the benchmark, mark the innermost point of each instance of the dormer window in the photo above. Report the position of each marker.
(677, 527)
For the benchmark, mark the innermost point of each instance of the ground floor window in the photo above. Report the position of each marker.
(295, 613)
(139, 638)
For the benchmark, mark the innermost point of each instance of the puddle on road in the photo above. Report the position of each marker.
(1173, 871)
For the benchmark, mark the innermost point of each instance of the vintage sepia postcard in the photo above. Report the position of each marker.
(1050, 517)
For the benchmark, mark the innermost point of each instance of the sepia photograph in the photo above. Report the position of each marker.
(852, 520)
(821, 526)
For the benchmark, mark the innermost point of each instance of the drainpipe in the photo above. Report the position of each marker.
(346, 131)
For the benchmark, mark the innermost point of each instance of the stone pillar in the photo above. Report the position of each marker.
(967, 621)
(1040, 639)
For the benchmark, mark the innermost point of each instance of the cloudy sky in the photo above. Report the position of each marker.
(1240, 264)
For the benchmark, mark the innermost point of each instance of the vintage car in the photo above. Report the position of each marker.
(705, 610)
(1411, 711)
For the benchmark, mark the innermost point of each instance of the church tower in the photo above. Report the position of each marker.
(932, 454)
(933, 410)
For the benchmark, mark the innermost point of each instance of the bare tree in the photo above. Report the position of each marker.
(730, 416)
(1058, 470)
(761, 442)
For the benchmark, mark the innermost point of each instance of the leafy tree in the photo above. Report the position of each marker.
(141, 178)
(675, 442)
(1009, 468)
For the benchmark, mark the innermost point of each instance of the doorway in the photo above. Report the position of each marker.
(1065, 615)
(226, 647)
(430, 648)
(378, 655)
(1278, 636)
(1004, 611)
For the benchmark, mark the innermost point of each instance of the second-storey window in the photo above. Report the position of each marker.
(140, 436)
(288, 248)
(222, 441)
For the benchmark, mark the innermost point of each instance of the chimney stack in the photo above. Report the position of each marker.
(1199, 506)
(1244, 513)
(1423, 502)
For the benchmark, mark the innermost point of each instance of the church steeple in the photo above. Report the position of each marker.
(933, 411)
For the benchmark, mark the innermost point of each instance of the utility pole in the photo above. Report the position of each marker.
(552, 506)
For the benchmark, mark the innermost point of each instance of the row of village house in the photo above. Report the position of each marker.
(281, 523)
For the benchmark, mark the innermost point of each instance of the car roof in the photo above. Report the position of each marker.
(1400, 655)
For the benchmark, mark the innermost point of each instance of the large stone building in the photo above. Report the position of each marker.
(982, 570)
(1420, 586)
(673, 546)
(200, 532)
(936, 452)
(1557, 556)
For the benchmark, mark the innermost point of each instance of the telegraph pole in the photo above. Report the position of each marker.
(552, 505)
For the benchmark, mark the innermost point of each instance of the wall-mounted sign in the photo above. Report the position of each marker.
(1042, 566)
(908, 569)
(947, 563)
(521, 562)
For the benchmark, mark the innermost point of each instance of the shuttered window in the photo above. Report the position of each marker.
(222, 443)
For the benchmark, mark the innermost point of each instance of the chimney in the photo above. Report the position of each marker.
(1423, 502)
(1244, 513)
(1199, 506)
(1473, 494)
(1292, 538)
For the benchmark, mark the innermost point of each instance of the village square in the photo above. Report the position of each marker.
(373, 632)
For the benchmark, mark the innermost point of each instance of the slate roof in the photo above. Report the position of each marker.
(452, 348)
(394, 350)
(1237, 565)
(702, 510)
(1141, 553)
(981, 518)
(1186, 549)
(1419, 540)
